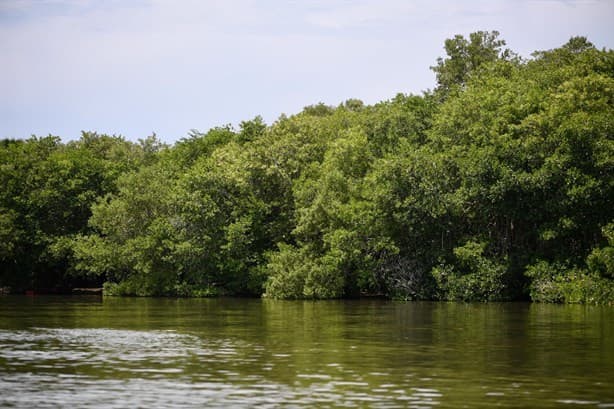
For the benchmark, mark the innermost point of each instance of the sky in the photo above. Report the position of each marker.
(134, 67)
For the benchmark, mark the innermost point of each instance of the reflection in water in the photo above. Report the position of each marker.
(106, 367)
(244, 353)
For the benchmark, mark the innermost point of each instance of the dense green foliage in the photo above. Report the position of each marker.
(48, 189)
(497, 185)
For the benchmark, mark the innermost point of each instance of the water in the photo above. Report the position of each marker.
(126, 352)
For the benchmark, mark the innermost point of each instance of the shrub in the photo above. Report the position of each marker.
(294, 273)
(472, 277)
(559, 283)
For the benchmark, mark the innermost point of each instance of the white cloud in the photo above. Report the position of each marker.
(340, 14)
(135, 66)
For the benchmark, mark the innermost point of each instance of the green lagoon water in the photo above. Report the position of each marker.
(91, 352)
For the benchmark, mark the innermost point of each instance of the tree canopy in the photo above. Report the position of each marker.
(498, 185)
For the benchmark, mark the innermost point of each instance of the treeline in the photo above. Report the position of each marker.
(497, 185)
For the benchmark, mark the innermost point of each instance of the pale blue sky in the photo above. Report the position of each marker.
(133, 67)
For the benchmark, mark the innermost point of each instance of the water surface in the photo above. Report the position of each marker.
(128, 352)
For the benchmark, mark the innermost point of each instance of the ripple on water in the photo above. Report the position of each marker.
(121, 368)
(91, 368)
(61, 348)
